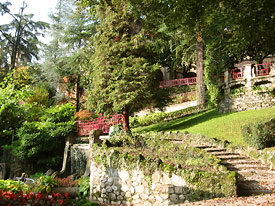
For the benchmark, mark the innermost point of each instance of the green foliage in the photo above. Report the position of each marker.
(260, 134)
(162, 116)
(84, 187)
(37, 175)
(13, 110)
(46, 184)
(55, 125)
(39, 95)
(14, 186)
(59, 113)
(84, 202)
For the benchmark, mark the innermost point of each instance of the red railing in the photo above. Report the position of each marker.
(178, 82)
(101, 123)
(262, 69)
(237, 73)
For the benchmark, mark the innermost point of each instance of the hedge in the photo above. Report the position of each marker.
(162, 116)
(260, 134)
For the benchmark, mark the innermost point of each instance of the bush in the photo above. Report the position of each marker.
(154, 118)
(84, 187)
(14, 186)
(260, 134)
(46, 184)
(59, 113)
(41, 144)
(66, 182)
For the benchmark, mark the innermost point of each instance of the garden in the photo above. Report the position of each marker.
(106, 58)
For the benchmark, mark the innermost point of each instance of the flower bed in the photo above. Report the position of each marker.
(54, 199)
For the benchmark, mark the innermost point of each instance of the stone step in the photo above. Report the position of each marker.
(240, 161)
(232, 157)
(255, 178)
(224, 153)
(238, 167)
(203, 146)
(214, 150)
(250, 176)
(250, 172)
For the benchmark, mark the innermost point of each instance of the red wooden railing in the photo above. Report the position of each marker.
(237, 73)
(178, 82)
(101, 123)
(262, 69)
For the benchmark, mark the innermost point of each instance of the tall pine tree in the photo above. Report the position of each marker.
(123, 79)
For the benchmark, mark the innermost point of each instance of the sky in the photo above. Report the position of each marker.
(40, 9)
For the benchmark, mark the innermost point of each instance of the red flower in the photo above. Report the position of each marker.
(60, 202)
(67, 195)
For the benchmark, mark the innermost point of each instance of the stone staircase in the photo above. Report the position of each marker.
(253, 178)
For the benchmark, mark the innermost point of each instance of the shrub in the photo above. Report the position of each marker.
(59, 113)
(260, 134)
(66, 182)
(46, 184)
(162, 116)
(84, 187)
(14, 186)
(41, 144)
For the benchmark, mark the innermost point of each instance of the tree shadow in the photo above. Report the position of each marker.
(186, 122)
(182, 194)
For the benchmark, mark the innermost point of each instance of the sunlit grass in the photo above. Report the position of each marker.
(212, 124)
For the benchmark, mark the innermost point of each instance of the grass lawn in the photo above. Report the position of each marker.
(212, 124)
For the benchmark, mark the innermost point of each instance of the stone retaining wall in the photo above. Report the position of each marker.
(247, 101)
(109, 185)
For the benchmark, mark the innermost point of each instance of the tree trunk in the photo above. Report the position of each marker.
(126, 113)
(200, 67)
(77, 95)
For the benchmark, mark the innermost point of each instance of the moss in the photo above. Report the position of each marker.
(202, 171)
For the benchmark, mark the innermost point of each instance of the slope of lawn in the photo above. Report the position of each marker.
(212, 124)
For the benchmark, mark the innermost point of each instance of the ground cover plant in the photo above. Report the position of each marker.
(213, 124)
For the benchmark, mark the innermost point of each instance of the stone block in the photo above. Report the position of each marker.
(157, 203)
(166, 179)
(182, 197)
(124, 188)
(144, 196)
(140, 189)
(178, 190)
(156, 177)
(171, 190)
(109, 189)
(132, 190)
(158, 198)
(124, 175)
(113, 196)
(178, 180)
(174, 198)
(164, 196)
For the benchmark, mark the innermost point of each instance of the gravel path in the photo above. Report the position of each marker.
(263, 200)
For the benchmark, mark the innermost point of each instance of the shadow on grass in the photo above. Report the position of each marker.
(185, 122)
